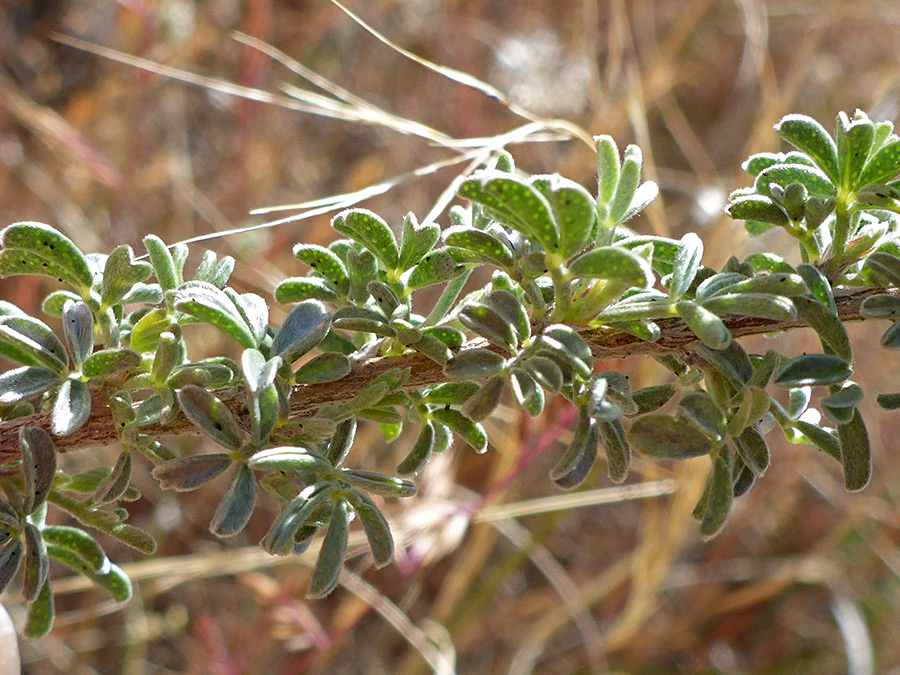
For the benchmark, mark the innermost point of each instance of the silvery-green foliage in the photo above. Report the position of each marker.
(565, 273)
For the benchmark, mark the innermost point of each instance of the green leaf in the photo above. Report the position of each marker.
(303, 328)
(575, 212)
(810, 137)
(71, 407)
(607, 168)
(254, 310)
(545, 371)
(52, 304)
(813, 179)
(23, 383)
(378, 533)
(279, 540)
(38, 466)
(757, 208)
(39, 620)
(300, 460)
(420, 453)
(574, 467)
(568, 344)
(298, 289)
(325, 262)
(848, 396)
(450, 393)
(416, 241)
(884, 266)
(371, 231)
(435, 267)
(699, 409)
(162, 261)
(831, 331)
(189, 473)
(35, 248)
(753, 450)
(488, 323)
(760, 305)
(471, 432)
(237, 505)
(331, 557)
(210, 415)
(327, 367)
(121, 273)
(813, 370)
(718, 497)
(110, 578)
(781, 284)
(856, 453)
(480, 242)
(818, 286)
(378, 484)
(79, 543)
(203, 301)
(686, 265)
(36, 563)
(881, 306)
(340, 442)
(889, 401)
(618, 452)
(708, 328)
(484, 401)
(78, 328)
(615, 263)
(659, 435)
(883, 166)
(530, 210)
(629, 179)
(654, 397)
(383, 296)
(33, 337)
(10, 560)
(469, 364)
(451, 337)
(147, 331)
(768, 262)
(116, 483)
(109, 361)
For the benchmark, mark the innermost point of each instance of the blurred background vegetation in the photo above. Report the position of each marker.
(804, 578)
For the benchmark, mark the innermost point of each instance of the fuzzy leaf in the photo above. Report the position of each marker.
(110, 578)
(378, 533)
(79, 543)
(813, 370)
(108, 361)
(883, 166)
(810, 137)
(818, 285)
(327, 367)
(627, 185)
(237, 505)
(718, 497)
(203, 301)
(36, 563)
(488, 323)
(420, 453)
(210, 415)
(78, 328)
(831, 331)
(302, 329)
(758, 208)
(885, 266)
(116, 483)
(147, 331)
(189, 473)
(23, 383)
(331, 557)
(121, 273)
(568, 344)
(416, 241)
(708, 328)
(699, 409)
(379, 484)
(607, 167)
(162, 261)
(531, 213)
(298, 289)
(33, 337)
(618, 452)
(39, 620)
(574, 467)
(856, 453)
(71, 407)
(484, 401)
(659, 435)
(482, 243)
(575, 213)
(761, 305)
(371, 231)
(35, 248)
(474, 363)
(325, 262)
(753, 450)
(450, 393)
(881, 306)
(471, 432)
(686, 265)
(10, 560)
(615, 263)
(435, 267)
(813, 179)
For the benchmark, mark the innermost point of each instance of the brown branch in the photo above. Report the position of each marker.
(676, 340)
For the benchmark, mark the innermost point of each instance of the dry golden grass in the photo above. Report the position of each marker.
(804, 578)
